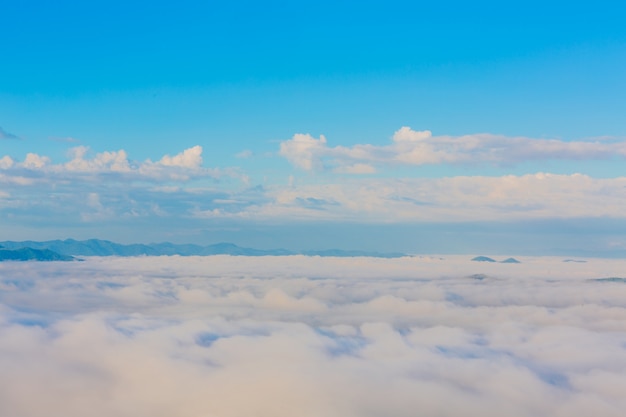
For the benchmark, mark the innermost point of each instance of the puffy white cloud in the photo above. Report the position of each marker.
(34, 161)
(184, 165)
(179, 186)
(126, 189)
(189, 158)
(303, 150)
(410, 147)
(406, 134)
(6, 162)
(115, 161)
(180, 167)
(285, 336)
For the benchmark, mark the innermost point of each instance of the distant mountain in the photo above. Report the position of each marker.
(483, 259)
(96, 247)
(92, 247)
(510, 261)
(610, 279)
(30, 254)
(343, 253)
(478, 277)
(487, 259)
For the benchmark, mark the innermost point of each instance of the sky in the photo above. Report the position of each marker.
(395, 126)
(308, 336)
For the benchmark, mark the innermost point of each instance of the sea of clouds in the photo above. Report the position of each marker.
(304, 336)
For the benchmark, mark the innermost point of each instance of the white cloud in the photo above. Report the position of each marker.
(34, 161)
(126, 189)
(356, 169)
(309, 336)
(179, 186)
(94, 210)
(454, 199)
(303, 150)
(129, 189)
(81, 167)
(410, 147)
(406, 134)
(189, 158)
(6, 162)
(115, 161)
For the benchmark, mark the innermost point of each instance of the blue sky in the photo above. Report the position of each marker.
(283, 122)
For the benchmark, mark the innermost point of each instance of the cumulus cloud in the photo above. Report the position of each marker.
(57, 192)
(84, 166)
(304, 151)
(411, 147)
(129, 189)
(6, 162)
(179, 186)
(115, 161)
(285, 336)
(34, 161)
(189, 158)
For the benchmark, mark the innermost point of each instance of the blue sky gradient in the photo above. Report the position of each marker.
(543, 83)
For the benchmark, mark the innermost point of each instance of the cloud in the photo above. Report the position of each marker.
(285, 336)
(149, 190)
(34, 161)
(115, 161)
(60, 193)
(304, 151)
(189, 158)
(356, 169)
(83, 166)
(178, 187)
(6, 162)
(453, 199)
(410, 147)
(7, 135)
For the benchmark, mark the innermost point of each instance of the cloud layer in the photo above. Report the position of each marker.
(185, 165)
(285, 336)
(94, 187)
(411, 147)
(110, 188)
(454, 199)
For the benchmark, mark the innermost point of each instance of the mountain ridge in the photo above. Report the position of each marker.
(98, 247)
(30, 254)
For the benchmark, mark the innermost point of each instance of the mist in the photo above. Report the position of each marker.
(311, 336)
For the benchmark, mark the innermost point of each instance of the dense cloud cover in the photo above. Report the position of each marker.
(309, 336)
